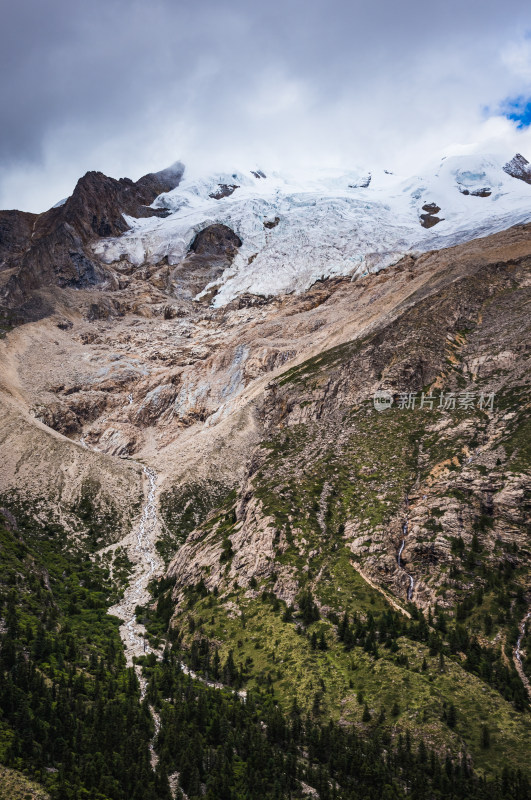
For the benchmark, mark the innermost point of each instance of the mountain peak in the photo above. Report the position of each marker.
(329, 221)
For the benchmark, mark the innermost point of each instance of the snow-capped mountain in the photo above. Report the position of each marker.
(296, 229)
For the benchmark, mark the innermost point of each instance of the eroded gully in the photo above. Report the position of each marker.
(405, 528)
(140, 546)
(142, 552)
(518, 654)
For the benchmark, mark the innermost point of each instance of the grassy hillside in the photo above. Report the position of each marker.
(15, 786)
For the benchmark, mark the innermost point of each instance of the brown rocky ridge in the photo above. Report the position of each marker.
(52, 249)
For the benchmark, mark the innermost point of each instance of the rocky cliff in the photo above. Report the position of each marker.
(53, 249)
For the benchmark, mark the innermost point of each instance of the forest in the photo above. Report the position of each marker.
(72, 716)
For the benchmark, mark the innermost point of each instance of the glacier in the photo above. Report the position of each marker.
(298, 228)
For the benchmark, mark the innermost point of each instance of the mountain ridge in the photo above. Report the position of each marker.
(365, 571)
(292, 230)
(330, 222)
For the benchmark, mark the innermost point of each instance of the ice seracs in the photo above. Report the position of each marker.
(296, 229)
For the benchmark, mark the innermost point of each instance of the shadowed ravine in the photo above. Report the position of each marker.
(400, 551)
(518, 654)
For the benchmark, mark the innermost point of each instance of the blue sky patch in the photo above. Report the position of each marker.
(518, 109)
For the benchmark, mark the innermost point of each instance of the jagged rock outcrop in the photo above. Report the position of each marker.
(483, 192)
(210, 253)
(429, 220)
(253, 543)
(519, 167)
(56, 251)
(15, 233)
(224, 190)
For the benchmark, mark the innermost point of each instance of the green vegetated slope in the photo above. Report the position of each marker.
(331, 480)
(72, 723)
(183, 508)
(222, 747)
(15, 786)
(69, 709)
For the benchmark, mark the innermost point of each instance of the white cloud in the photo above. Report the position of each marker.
(282, 84)
(516, 57)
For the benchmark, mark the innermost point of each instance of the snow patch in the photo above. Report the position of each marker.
(331, 222)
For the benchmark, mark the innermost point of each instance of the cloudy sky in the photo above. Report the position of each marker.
(127, 87)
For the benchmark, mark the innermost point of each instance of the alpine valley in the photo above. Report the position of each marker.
(265, 486)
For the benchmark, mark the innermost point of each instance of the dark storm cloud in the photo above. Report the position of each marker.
(115, 84)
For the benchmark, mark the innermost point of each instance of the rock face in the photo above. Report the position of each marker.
(519, 167)
(216, 241)
(98, 203)
(224, 190)
(52, 249)
(211, 252)
(271, 223)
(484, 192)
(15, 233)
(429, 220)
